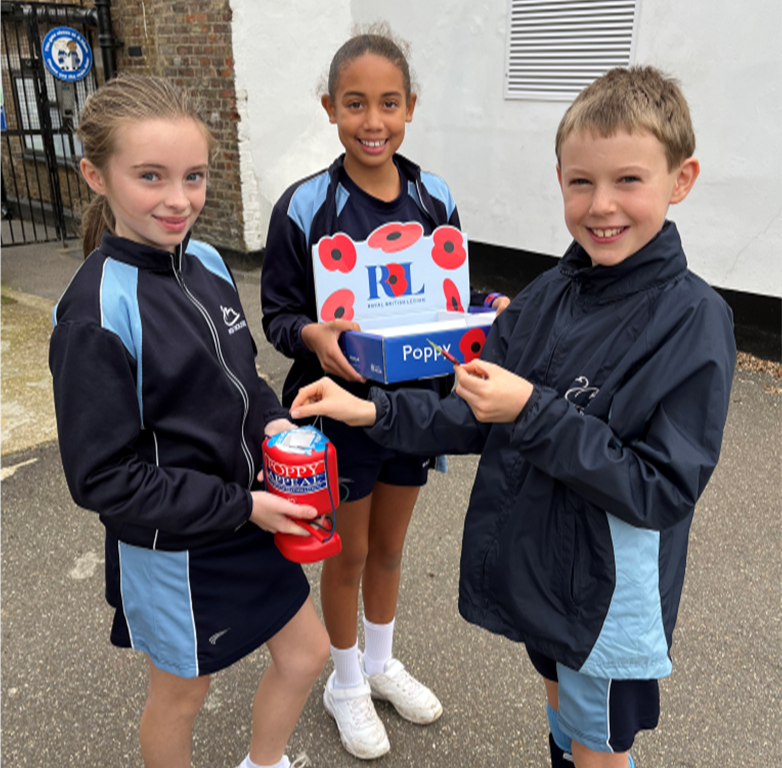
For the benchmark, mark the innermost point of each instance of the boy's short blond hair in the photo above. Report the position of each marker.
(633, 99)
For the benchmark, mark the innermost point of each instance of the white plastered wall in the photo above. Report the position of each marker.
(497, 155)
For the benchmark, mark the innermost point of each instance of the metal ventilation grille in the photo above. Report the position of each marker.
(557, 48)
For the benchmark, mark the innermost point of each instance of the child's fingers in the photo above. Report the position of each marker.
(471, 378)
(500, 303)
(286, 522)
(305, 411)
(479, 368)
(326, 398)
(273, 513)
(288, 526)
(299, 511)
(333, 361)
(344, 325)
(342, 368)
(277, 505)
(312, 393)
(276, 426)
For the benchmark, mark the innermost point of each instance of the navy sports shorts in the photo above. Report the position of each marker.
(361, 462)
(602, 714)
(197, 611)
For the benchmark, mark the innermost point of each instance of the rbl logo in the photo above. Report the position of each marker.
(394, 279)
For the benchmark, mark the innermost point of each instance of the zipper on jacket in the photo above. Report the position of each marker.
(423, 204)
(157, 464)
(218, 350)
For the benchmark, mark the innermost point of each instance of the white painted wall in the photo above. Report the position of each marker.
(497, 155)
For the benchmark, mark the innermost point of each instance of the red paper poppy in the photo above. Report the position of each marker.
(337, 254)
(471, 344)
(453, 302)
(448, 251)
(394, 237)
(338, 306)
(396, 279)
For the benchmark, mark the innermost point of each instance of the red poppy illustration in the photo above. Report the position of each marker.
(453, 302)
(448, 251)
(394, 237)
(471, 344)
(337, 254)
(338, 306)
(396, 279)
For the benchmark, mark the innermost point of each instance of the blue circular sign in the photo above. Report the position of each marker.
(67, 54)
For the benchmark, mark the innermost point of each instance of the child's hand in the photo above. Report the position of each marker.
(272, 513)
(500, 303)
(322, 339)
(494, 394)
(326, 398)
(276, 426)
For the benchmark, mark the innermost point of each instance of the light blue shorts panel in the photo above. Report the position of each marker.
(604, 715)
(158, 608)
(585, 700)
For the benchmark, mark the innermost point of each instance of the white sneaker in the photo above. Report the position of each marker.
(360, 729)
(302, 761)
(414, 701)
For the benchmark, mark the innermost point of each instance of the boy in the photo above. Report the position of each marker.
(598, 407)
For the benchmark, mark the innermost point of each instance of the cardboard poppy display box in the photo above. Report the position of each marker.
(405, 291)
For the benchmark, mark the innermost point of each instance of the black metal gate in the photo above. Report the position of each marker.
(42, 189)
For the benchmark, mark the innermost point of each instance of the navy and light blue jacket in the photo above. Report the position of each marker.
(575, 538)
(160, 411)
(321, 205)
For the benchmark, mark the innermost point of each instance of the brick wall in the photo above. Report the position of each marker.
(190, 42)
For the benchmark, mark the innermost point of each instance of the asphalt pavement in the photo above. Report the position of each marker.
(69, 698)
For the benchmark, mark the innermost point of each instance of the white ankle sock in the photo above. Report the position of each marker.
(348, 671)
(284, 763)
(379, 642)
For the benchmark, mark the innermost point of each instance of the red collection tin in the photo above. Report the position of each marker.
(300, 465)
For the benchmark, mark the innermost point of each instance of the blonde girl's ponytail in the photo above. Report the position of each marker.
(96, 219)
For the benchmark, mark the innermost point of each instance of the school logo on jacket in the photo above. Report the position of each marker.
(231, 318)
(581, 394)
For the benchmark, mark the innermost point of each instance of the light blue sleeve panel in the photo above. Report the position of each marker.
(119, 313)
(306, 201)
(439, 189)
(341, 198)
(210, 258)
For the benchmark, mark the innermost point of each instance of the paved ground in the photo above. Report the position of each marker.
(70, 699)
